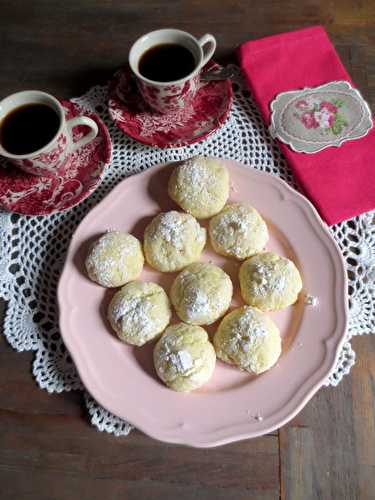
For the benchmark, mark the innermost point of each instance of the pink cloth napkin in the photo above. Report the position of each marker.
(339, 181)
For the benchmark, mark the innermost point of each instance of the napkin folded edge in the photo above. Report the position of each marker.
(245, 50)
(244, 53)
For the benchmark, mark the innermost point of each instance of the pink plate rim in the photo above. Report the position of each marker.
(246, 429)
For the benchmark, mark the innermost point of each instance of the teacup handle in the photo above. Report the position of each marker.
(82, 120)
(207, 54)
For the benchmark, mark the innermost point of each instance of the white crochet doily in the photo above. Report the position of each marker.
(33, 248)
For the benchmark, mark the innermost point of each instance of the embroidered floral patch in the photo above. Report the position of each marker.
(313, 119)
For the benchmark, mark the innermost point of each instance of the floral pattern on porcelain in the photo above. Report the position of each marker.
(313, 119)
(200, 115)
(168, 98)
(80, 173)
(49, 162)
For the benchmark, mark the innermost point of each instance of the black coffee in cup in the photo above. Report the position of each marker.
(166, 62)
(28, 128)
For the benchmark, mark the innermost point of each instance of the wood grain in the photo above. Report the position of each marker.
(328, 451)
(136, 457)
(48, 450)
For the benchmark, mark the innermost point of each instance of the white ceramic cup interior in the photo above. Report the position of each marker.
(24, 97)
(174, 36)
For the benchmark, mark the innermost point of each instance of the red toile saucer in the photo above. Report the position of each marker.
(193, 123)
(32, 195)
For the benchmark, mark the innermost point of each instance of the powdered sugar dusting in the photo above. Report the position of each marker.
(239, 230)
(133, 315)
(232, 223)
(109, 255)
(101, 268)
(269, 279)
(194, 173)
(182, 360)
(310, 300)
(171, 229)
(248, 332)
(197, 303)
(230, 232)
(199, 296)
(197, 177)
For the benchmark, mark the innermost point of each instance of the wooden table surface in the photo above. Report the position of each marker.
(48, 450)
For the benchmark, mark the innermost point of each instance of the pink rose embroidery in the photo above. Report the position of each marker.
(328, 106)
(323, 115)
(309, 120)
(324, 118)
(302, 104)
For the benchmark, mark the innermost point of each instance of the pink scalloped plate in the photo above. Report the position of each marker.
(28, 194)
(233, 405)
(196, 121)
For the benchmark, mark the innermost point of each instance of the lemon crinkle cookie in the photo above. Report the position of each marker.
(248, 339)
(115, 259)
(269, 281)
(184, 358)
(139, 312)
(238, 231)
(200, 186)
(201, 293)
(173, 240)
